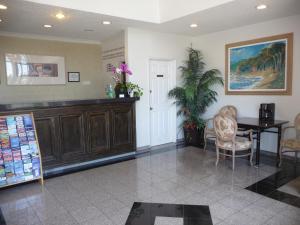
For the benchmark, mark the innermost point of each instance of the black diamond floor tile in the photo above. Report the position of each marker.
(144, 213)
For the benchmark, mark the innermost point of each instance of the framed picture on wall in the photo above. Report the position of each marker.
(23, 69)
(260, 66)
(73, 77)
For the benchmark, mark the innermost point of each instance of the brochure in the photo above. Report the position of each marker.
(28, 122)
(14, 141)
(30, 135)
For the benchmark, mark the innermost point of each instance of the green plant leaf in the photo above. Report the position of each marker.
(197, 92)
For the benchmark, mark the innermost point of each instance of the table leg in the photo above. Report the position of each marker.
(278, 144)
(258, 147)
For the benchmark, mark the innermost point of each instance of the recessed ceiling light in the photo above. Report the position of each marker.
(261, 6)
(194, 25)
(106, 22)
(0, 20)
(47, 26)
(60, 16)
(3, 7)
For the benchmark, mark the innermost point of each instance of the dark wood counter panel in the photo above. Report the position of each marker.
(82, 130)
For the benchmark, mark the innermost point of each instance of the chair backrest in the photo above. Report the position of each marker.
(229, 110)
(225, 127)
(297, 126)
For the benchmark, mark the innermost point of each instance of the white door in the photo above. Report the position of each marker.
(162, 111)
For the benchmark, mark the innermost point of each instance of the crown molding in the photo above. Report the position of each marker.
(48, 38)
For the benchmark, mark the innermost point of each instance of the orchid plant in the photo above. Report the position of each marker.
(121, 70)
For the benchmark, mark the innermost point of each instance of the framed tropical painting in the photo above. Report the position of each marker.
(260, 67)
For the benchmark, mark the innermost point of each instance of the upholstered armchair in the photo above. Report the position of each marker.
(209, 132)
(291, 144)
(229, 110)
(226, 128)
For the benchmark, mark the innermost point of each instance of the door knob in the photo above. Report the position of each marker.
(151, 108)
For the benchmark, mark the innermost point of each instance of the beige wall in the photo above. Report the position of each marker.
(83, 58)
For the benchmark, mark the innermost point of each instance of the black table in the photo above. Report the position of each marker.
(259, 127)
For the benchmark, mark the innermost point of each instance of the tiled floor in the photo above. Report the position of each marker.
(104, 195)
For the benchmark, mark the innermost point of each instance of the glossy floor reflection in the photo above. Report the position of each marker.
(2, 221)
(105, 195)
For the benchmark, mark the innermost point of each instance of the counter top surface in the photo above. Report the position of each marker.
(54, 104)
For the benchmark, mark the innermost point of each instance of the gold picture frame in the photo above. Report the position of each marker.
(260, 66)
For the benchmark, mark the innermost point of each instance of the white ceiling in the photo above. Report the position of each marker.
(142, 10)
(174, 9)
(28, 18)
(153, 11)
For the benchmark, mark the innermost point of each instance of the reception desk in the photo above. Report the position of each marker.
(72, 132)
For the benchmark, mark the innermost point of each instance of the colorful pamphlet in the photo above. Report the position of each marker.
(28, 122)
(25, 150)
(30, 135)
(2, 181)
(14, 141)
(17, 156)
(9, 168)
(7, 156)
(2, 171)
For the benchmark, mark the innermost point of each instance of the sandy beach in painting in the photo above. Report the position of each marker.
(257, 80)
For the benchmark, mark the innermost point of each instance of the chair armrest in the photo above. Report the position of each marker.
(246, 133)
(286, 128)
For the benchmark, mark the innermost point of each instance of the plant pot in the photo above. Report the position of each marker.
(194, 137)
(120, 91)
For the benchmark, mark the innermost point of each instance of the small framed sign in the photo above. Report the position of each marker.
(73, 77)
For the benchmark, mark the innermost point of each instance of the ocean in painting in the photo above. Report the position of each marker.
(260, 66)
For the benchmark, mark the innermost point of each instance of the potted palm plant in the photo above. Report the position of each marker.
(195, 95)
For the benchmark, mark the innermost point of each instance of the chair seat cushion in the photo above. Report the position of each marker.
(240, 144)
(291, 143)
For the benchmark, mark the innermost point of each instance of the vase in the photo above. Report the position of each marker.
(109, 91)
(126, 95)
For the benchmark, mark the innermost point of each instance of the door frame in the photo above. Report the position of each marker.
(173, 81)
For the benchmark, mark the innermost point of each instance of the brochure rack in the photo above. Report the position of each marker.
(20, 157)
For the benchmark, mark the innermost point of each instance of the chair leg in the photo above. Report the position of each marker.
(224, 152)
(218, 155)
(233, 159)
(280, 156)
(296, 157)
(251, 156)
(204, 143)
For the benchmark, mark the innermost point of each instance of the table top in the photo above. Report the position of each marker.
(255, 122)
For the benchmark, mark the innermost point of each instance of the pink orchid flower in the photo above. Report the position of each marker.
(124, 68)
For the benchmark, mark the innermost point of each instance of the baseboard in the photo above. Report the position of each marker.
(143, 149)
(180, 141)
(87, 165)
